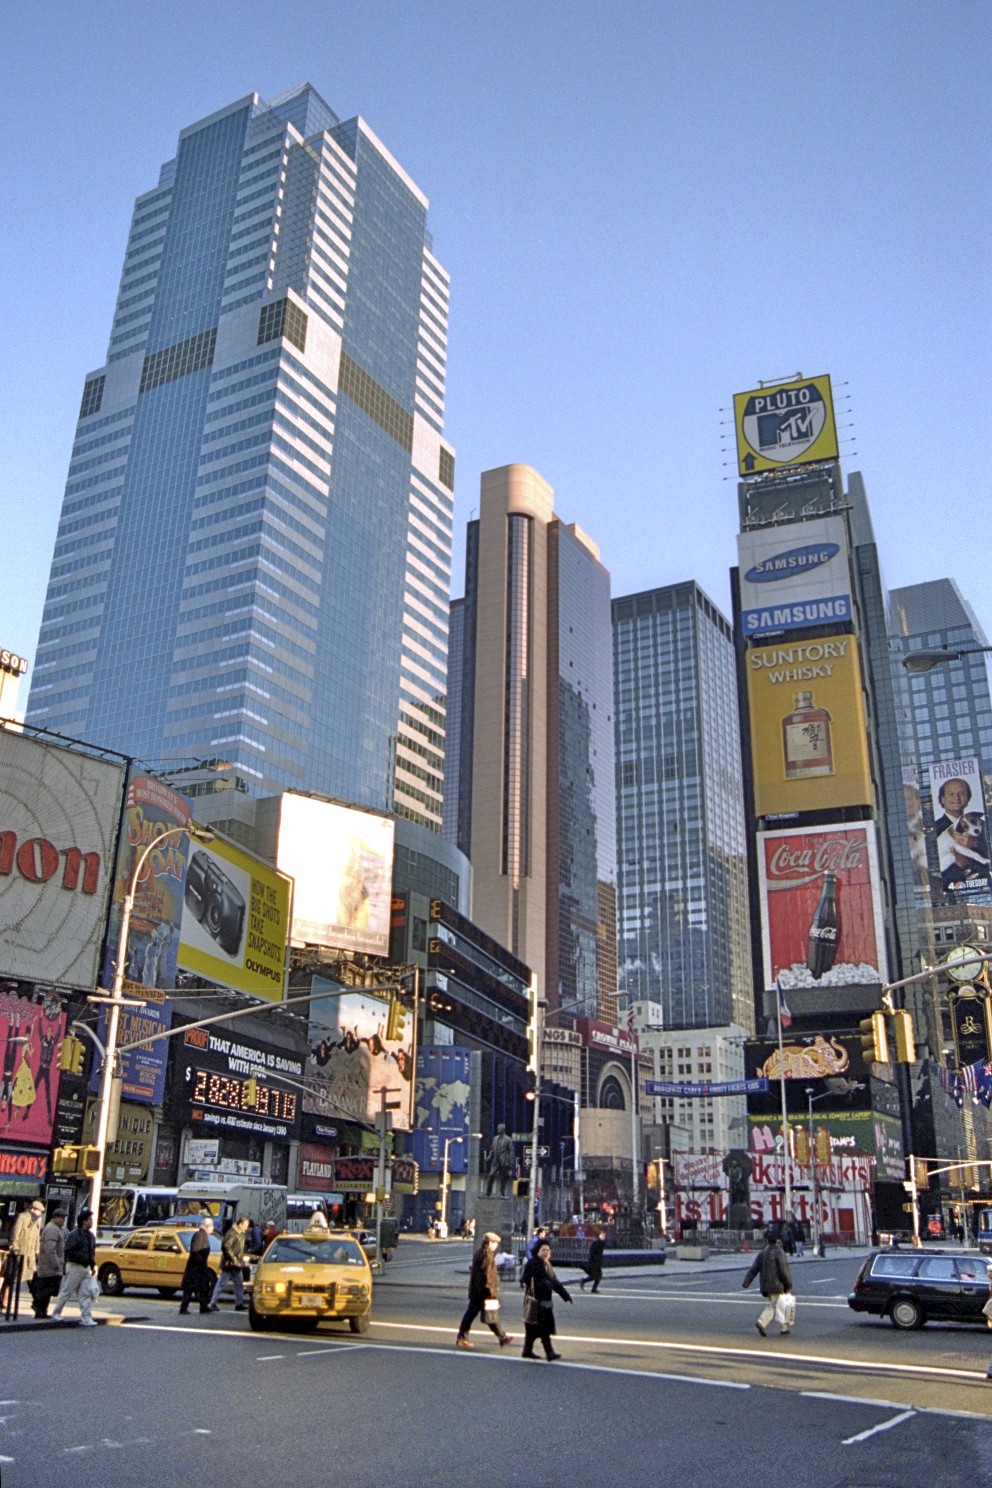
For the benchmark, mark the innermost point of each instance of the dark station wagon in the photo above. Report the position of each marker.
(913, 1287)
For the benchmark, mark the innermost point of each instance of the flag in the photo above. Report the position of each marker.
(630, 1015)
(785, 1017)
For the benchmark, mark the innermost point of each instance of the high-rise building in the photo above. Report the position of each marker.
(254, 553)
(683, 928)
(534, 692)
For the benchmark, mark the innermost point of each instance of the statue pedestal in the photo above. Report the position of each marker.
(495, 1213)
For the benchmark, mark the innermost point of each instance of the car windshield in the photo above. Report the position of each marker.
(297, 1248)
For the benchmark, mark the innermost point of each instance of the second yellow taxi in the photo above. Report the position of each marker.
(152, 1257)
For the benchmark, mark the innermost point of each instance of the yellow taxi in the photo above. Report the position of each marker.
(320, 1276)
(155, 1256)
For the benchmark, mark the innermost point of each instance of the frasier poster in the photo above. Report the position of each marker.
(821, 908)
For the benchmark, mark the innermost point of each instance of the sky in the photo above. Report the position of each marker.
(644, 208)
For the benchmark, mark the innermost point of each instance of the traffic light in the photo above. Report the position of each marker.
(89, 1161)
(65, 1161)
(396, 1022)
(71, 1055)
(249, 1093)
(824, 1146)
(905, 1042)
(874, 1039)
(800, 1146)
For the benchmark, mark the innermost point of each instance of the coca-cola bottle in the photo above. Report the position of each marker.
(824, 930)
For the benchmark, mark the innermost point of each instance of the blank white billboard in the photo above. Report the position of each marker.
(59, 812)
(342, 861)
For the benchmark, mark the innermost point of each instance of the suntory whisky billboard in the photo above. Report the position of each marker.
(789, 424)
(821, 906)
(808, 736)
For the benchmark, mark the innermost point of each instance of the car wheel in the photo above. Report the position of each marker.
(905, 1313)
(359, 1324)
(111, 1281)
(256, 1323)
(167, 1292)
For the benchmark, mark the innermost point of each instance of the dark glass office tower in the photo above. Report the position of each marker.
(683, 930)
(253, 558)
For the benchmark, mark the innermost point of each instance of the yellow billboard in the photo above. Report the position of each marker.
(790, 424)
(809, 742)
(235, 925)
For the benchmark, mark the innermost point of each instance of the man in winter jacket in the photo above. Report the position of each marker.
(232, 1263)
(25, 1242)
(51, 1263)
(80, 1255)
(198, 1277)
(776, 1278)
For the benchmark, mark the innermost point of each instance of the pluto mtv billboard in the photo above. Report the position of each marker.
(786, 425)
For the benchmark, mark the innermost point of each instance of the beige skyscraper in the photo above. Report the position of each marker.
(535, 779)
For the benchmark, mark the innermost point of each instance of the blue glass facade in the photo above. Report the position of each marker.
(253, 561)
(684, 941)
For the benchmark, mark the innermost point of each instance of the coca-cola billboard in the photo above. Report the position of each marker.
(821, 907)
(59, 810)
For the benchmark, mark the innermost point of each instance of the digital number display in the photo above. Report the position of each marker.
(227, 1093)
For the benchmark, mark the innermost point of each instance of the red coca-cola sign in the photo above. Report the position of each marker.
(792, 868)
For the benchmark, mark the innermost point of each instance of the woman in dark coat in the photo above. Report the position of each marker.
(540, 1284)
(594, 1265)
(483, 1287)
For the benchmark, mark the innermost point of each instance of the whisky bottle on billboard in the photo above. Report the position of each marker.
(806, 740)
(824, 930)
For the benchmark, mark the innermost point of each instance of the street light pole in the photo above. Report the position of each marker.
(448, 1144)
(116, 1001)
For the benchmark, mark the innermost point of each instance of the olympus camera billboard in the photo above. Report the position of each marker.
(58, 827)
(794, 577)
(235, 922)
(341, 859)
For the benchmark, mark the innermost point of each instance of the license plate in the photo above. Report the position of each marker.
(308, 1299)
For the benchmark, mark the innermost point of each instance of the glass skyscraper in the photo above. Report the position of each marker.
(683, 932)
(253, 559)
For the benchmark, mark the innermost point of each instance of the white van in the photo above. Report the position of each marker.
(128, 1206)
(264, 1203)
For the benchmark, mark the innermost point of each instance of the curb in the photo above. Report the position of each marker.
(55, 1325)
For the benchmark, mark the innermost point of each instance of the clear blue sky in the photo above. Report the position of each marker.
(644, 207)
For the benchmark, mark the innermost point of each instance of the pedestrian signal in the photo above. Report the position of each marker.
(874, 1039)
(89, 1161)
(65, 1161)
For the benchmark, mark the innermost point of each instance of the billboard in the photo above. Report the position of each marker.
(143, 1070)
(794, 577)
(58, 826)
(832, 1063)
(442, 1105)
(790, 424)
(235, 920)
(31, 1031)
(209, 1089)
(821, 906)
(809, 739)
(960, 828)
(350, 1059)
(151, 809)
(342, 862)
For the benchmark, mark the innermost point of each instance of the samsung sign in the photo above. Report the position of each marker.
(794, 576)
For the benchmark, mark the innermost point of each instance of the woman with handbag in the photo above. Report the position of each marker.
(540, 1284)
(483, 1294)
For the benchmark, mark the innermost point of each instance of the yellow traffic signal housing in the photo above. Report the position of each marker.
(396, 1022)
(65, 1160)
(89, 1161)
(874, 1039)
(824, 1146)
(71, 1055)
(905, 1042)
(800, 1143)
(249, 1093)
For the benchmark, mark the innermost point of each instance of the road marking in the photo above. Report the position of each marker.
(858, 1365)
(268, 1358)
(852, 1399)
(8, 1459)
(882, 1426)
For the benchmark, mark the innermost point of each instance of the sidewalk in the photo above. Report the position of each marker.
(28, 1323)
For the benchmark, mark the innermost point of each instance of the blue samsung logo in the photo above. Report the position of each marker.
(794, 561)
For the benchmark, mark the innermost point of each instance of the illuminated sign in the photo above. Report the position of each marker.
(795, 576)
(809, 740)
(342, 862)
(235, 920)
(227, 1081)
(789, 424)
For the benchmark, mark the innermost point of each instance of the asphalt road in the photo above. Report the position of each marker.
(664, 1382)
